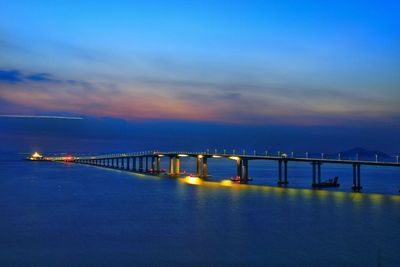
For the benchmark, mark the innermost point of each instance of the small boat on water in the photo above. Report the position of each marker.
(237, 179)
(328, 183)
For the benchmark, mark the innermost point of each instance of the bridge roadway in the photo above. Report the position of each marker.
(140, 163)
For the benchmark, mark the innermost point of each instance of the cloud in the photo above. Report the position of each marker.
(10, 76)
(40, 77)
(241, 102)
(18, 76)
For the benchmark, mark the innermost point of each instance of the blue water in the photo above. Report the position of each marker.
(57, 214)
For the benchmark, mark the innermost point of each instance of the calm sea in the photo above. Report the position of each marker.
(58, 214)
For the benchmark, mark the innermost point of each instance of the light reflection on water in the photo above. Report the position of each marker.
(64, 214)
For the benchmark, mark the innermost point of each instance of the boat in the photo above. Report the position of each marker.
(328, 183)
(237, 179)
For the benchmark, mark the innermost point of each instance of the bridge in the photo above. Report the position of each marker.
(150, 162)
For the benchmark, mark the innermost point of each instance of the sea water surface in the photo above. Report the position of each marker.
(63, 214)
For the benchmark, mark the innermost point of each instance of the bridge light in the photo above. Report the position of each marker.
(216, 156)
(200, 156)
(226, 183)
(234, 158)
(182, 155)
(193, 180)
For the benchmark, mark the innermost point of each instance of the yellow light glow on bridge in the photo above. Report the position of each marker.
(216, 156)
(226, 183)
(234, 158)
(193, 180)
(182, 155)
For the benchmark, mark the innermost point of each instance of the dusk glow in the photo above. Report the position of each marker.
(247, 62)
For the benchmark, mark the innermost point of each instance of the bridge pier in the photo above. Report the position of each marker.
(158, 164)
(171, 166)
(153, 164)
(140, 164)
(128, 164)
(177, 166)
(285, 172)
(245, 175)
(205, 168)
(356, 177)
(319, 172)
(198, 166)
(134, 164)
(122, 163)
(316, 173)
(239, 169)
(147, 163)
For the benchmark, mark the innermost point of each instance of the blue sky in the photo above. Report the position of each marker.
(246, 63)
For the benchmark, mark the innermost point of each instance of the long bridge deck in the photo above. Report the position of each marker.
(139, 162)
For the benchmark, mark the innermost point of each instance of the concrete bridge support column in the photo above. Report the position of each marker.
(171, 166)
(279, 172)
(122, 163)
(285, 172)
(147, 164)
(356, 178)
(128, 164)
(198, 166)
(158, 164)
(285, 163)
(205, 167)
(153, 164)
(239, 170)
(319, 173)
(134, 164)
(245, 175)
(314, 169)
(177, 166)
(140, 164)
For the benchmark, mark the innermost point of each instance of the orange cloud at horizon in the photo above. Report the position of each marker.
(139, 102)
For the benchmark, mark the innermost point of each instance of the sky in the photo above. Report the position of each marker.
(323, 72)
